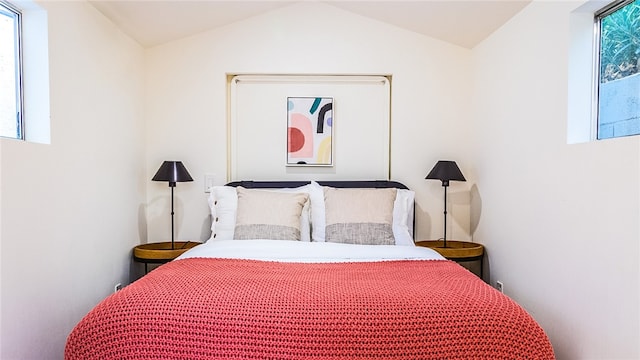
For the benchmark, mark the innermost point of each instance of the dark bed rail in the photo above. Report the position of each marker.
(250, 184)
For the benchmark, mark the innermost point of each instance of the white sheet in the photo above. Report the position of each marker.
(307, 252)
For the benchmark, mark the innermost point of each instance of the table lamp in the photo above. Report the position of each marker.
(173, 172)
(445, 171)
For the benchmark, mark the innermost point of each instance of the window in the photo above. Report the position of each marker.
(618, 69)
(10, 72)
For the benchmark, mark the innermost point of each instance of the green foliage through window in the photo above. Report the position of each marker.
(620, 43)
(618, 83)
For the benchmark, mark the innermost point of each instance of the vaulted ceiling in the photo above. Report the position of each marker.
(461, 22)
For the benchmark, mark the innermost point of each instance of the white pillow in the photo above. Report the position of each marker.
(318, 221)
(223, 204)
(402, 215)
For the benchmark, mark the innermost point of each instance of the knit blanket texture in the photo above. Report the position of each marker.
(247, 309)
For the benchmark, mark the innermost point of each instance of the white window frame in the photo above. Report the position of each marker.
(6, 6)
(597, 41)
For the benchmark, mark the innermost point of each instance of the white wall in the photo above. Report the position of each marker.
(70, 211)
(187, 103)
(560, 222)
(258, 126)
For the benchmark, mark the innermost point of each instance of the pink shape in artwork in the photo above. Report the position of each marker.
(296, 139)
(302, 139)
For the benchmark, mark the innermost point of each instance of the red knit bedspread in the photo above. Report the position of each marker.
(245, 309)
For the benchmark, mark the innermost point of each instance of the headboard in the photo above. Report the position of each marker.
(338, 184)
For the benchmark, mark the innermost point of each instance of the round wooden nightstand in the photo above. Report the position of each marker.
(458, 251)
(161, 252)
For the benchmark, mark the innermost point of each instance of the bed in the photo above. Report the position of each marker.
(309, 271)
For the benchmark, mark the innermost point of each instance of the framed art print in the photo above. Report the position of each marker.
(309, 131)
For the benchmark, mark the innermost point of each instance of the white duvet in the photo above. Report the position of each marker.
(307, 252)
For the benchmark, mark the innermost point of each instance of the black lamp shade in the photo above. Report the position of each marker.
(446, 171)
(173, 172)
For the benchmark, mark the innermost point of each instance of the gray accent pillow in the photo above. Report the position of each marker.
(266, 214)
(359, 216)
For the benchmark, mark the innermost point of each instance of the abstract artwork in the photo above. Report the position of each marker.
(309, 131)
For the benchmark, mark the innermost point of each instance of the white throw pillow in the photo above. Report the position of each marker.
(359, 216)
(402, 215)
(269, 214)
(223, 204)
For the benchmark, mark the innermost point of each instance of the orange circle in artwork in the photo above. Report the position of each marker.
(296, 139)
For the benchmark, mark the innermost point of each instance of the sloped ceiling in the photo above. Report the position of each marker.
(464, 23)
